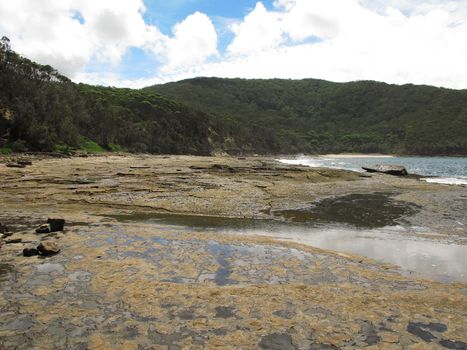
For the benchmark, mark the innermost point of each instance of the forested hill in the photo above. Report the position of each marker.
(310, 115)
(41, 110)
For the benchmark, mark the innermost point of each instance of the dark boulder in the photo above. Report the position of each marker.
(56, 224)
(48, 248)
(45, 228)
(30, 252)
(390, 169)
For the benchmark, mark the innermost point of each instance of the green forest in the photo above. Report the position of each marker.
(42, 110)
(316, 116)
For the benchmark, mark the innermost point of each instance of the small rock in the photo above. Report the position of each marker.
(277, 341)
(48, 248)
(24, 162)
(13, 241)
(30, 252)
(15, 165)
(56, 224)
(45, 228)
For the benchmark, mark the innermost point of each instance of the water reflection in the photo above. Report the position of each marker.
(426, 257)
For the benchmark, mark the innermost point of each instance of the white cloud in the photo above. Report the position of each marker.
(397, 41)
(423, 44)
(50, 32)
(259, 31)
(193, 42)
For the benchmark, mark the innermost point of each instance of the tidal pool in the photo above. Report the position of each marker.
(364, 224)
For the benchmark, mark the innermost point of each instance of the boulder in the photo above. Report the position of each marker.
(48, 248)
(45, 228)
(390, 169)
(56, 224)
(30, 252)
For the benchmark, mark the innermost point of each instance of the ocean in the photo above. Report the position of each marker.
(444, 170)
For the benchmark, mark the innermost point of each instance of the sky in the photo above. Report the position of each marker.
(136, 43)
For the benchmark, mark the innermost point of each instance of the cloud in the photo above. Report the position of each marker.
(424, 43)
(70, 34)
(259, 31)
(194, 41)
(397, 41)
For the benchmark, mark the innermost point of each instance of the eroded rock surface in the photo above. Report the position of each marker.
(132, 285)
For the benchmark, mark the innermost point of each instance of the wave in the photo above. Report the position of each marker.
(446, 180)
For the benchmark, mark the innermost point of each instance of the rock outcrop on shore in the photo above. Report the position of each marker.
(390, 169)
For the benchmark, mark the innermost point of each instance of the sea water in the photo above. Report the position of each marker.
(445, 170)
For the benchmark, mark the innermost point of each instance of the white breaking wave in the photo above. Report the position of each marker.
(446, 180)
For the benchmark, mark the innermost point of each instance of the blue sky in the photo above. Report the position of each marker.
(135, 43)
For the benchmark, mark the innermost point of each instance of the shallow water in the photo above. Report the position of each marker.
(367, 210)
(436, 259)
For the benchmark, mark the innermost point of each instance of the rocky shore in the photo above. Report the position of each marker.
(119, 284)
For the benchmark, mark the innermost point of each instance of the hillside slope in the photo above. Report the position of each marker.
(319, 116)
(41, 110)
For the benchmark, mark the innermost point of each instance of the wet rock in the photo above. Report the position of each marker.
(30, 252)
(224, 311)
(419, 330)
(371, 336)
(21, 323)
(287, 314)
(48, 248)
(390, 169)
(449, 344)
(3, 229)
(45, 228)
(52, 225)
(277, 341)
(186, 315)
(56, 224)
(435, 327)
(13, 241)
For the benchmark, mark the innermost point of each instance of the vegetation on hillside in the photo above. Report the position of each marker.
(286, 116)
(41, 110)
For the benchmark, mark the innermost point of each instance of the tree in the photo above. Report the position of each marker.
(5, 44)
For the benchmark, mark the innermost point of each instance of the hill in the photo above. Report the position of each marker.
(287, 116)
(41, 110)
